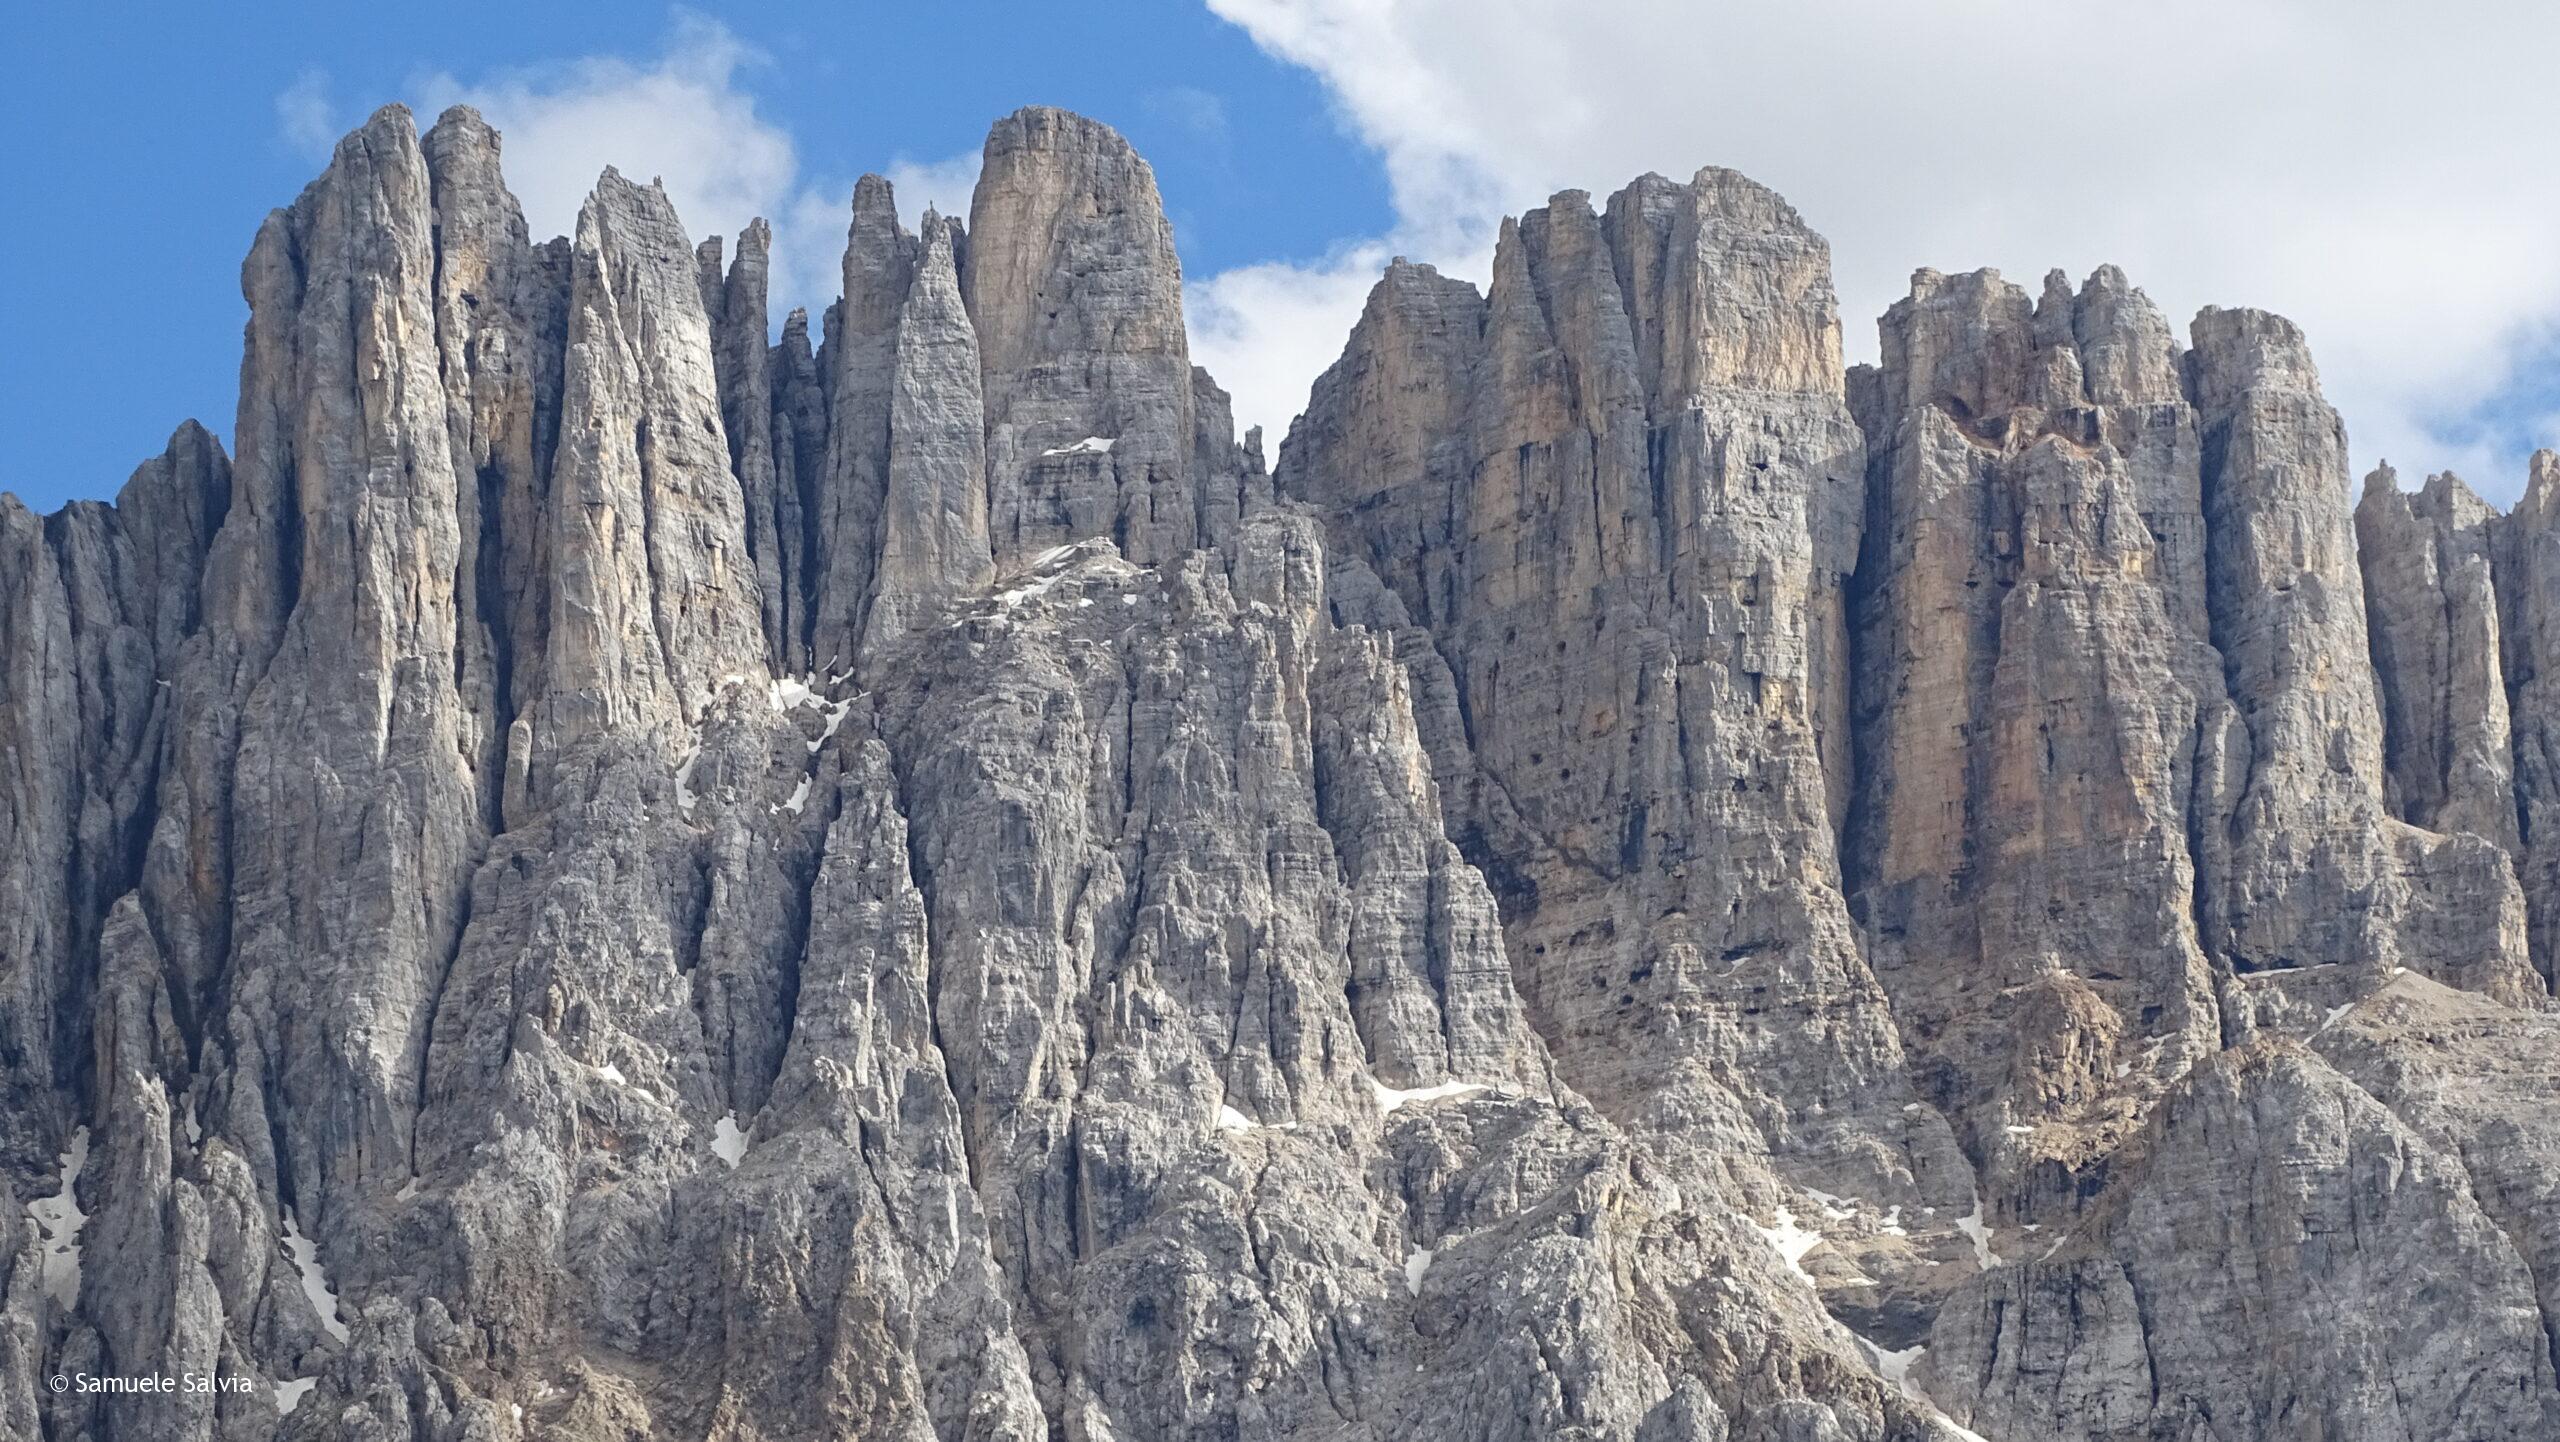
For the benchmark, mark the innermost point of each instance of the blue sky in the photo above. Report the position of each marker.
(2386, 175)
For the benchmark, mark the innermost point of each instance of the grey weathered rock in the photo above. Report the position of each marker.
(2281, 1254)
(1077, 298)
(2432, 612)
(2529, 623)
(609, 878)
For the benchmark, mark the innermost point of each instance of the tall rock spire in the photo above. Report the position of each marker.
(1076, 295)
(2308, 867)
(357, 807)
(862, 341)
(653, 595)
(933, 533)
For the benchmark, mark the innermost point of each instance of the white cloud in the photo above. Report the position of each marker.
(682, 118)
(305, 117)
(2380, 173)
(687, 119)
(1267, 331)
(945, 185)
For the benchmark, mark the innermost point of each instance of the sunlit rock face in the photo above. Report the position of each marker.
(615, 871)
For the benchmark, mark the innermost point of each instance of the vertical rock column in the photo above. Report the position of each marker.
(861, 361)
(1076, 296)
(2033, 670)
(1624, 493)
(2431, 612)
(356, 808)
(2529, 611)
(933, 534)
(2305, 867)
(653, 596)
(499, 318)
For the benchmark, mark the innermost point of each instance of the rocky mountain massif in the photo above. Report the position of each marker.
(599, 877)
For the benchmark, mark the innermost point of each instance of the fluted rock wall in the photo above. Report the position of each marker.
(608, 876)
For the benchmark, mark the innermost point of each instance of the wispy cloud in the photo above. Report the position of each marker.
(1199, 111)
(305, 117)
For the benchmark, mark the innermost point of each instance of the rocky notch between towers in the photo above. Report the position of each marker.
(599, 876)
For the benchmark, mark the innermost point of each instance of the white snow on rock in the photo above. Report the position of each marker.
(1971, 1225)
(613, 1074)
(1790, 1241)
(835, 718)
(1019, 594)
(1416, 1263)
(1895, 1369)
(60, 1219)
(1390, 1098)
(289, 1395)
(1837, 1208)
(1229, 1119)
(799, 798)
(727, 1142)
(1089, 446)
(684, 780)
(315, 1282)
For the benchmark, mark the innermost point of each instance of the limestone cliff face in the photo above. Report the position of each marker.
(605, 875)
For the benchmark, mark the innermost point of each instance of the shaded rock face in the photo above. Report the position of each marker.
(2462, 621)
(606, 875)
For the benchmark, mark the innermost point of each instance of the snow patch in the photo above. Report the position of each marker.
(289, 1395)
(684, 781)
(1089, 446)
(1895, 1369)
(1231, 1120)
(60, 1219)
(1837, 1208)
(2018, 1131)
(315, 1282)
(1019, 594)
(613, 1074)
(1971, 1225)
(1390, 1098)
(727, 1142)
(835, 713)
(1416, 1263)
(1790, 1241)
(799, 798)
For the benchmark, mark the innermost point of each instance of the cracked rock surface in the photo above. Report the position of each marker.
(601, 875)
